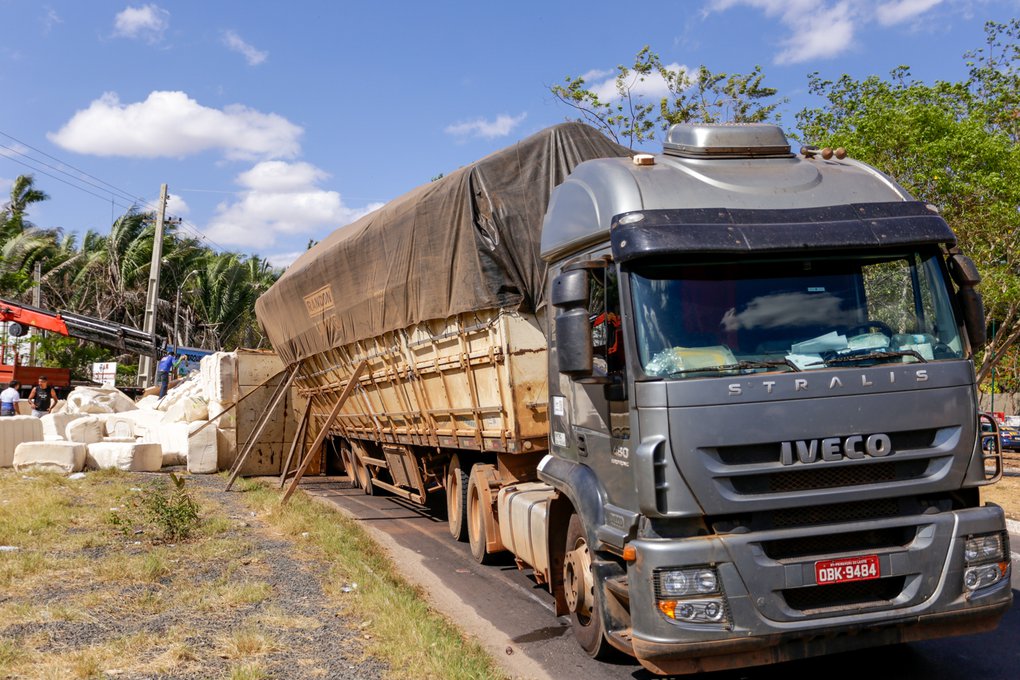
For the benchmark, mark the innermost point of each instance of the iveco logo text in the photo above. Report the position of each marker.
(835, 382)
(834, 448)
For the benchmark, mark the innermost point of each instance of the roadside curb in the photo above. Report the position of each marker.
(410, 564)
(1012, 526)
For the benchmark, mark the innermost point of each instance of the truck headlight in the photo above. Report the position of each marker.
(987, 560)
(710, 610)
(680, 582)
(985, 548)
(691, 595)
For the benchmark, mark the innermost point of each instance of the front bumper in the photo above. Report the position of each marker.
(769, 624)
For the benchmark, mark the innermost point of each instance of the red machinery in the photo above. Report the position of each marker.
(21, 317)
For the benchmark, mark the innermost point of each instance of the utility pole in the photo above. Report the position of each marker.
(37, 303)
(145, 361)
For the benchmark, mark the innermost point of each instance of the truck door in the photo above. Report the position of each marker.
(599, 407)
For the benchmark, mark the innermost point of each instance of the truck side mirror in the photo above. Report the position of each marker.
(573, 329)
(966, 277)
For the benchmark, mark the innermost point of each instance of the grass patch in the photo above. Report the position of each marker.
(402, 628)
(246, 643)
(248, 672)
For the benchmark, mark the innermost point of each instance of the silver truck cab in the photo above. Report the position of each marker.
(763, 408)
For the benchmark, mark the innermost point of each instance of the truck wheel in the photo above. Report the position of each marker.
(476, 519)
(352, 473)
(456, 498)
(581, 593)
(362, 474)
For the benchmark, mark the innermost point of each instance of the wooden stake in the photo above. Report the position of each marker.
(267, 414)
(299, 436)
(321, 437)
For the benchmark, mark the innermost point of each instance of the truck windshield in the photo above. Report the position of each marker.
(788, 314)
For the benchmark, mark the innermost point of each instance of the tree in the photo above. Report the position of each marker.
(12, 216)
(631, 116)
(952, 144)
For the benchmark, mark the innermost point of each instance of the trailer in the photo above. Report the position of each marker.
(719, 400)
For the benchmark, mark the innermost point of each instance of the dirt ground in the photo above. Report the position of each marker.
(238, 601)
(1006, 493)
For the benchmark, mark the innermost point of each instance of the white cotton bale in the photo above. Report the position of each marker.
(130, 456)
(54, 425)
(65, 457)
(202, 448)
(226, 447)
(187, 410)
(132, 423)
(148, 402)
(217, 374)
(228, 420)
(13, 431)
(98, 400)
(120, 426)
(85, 430)
(172, 438)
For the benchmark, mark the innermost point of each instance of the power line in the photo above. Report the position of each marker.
(61, 179)
(52, 167)
(62, 162)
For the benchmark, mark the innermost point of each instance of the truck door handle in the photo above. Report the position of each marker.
(582, 446)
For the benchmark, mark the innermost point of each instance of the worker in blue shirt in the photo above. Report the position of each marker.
(163, 369)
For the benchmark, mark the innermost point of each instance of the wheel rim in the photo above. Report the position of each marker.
(579, 586)
(476, 532)
(453, 482)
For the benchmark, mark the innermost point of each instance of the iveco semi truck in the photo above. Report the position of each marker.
(720, 400)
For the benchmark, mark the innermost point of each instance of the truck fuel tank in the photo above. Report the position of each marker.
(523, 509)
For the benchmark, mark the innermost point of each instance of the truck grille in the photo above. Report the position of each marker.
(829, 477)
(814, 515)
(875, 592)
(828, 544)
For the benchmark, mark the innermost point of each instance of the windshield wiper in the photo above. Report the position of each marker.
(864, 355)
(739, 365)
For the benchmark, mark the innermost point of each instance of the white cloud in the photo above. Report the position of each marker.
(175, 206)
(819, 29)
(899, 11)
(652, 85)
(148, 22)
(50, 20)
(823, 29)
(235, 43)
(281, 202)
(487, 129)
(173, 125)
(284, 260)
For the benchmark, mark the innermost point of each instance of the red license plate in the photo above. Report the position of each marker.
(847, 569)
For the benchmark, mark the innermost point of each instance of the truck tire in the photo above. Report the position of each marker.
(456, 498)
(348, 457)
(583, 594)
(475, 519)
(362, 474)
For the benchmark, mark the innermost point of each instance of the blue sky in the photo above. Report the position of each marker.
(275, 123)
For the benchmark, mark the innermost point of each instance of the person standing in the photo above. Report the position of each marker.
(42, 398)
(163, 368)
(9, 399)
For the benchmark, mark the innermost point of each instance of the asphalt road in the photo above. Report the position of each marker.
(512, 616)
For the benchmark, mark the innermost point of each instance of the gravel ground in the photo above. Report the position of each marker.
(327, 645)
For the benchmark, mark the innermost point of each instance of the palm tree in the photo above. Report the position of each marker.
(12, 216)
